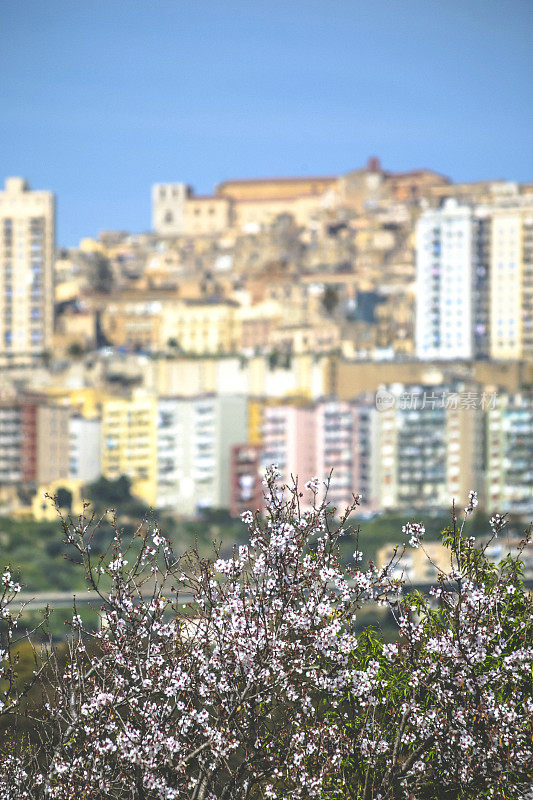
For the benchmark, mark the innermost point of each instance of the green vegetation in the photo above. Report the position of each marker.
(387, 528)
(102, 274)
(64, 498)
(37, 551)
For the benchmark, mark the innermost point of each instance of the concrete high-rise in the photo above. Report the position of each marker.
(27, 234)
(475, 281)
(446, 268)
(509, 455)
(195, 437)
(511, 284)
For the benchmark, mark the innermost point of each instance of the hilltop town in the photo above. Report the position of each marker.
(378, 324)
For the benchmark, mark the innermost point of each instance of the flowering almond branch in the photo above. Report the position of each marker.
(244, 677)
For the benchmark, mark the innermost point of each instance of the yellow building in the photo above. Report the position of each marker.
(275, 188)
(152, 320)
(256, 409)
(206, 215)
(85, 401)
(348, 378)
(322, 337)
(88, 245)
(416, 565)
(129, 442)
(251, 215)
(134, 319)
(511, 283)
(203, 327)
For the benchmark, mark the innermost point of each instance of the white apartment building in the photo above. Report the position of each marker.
(195, 437)
(11, 428)
(337, 450)
(175, 485)
(446, 254)
(475, 280)
(27, 234)
(85, 452)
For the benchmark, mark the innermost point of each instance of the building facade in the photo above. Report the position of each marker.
(246, 483)
(85, 448)
(509, 455)
(195, 440)
(474, 266)
(129, 442)
(445, 252)
(27, 243)
(511, 286)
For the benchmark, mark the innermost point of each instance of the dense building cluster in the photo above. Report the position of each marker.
(374, 324)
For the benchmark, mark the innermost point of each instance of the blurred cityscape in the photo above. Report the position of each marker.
(376, 326)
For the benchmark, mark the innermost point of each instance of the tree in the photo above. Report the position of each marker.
(75, 350)
(330, 299)
(102, 275)
(64, 498)
(108, 492)
(243, 678)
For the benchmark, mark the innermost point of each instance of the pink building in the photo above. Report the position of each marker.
(337, 450)
(289, 440)
(331, 437)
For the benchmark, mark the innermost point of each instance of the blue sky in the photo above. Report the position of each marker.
(101, 98)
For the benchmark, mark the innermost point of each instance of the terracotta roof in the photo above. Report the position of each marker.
(299, 178)
(412, 172)
(210, 197)
(277, 199)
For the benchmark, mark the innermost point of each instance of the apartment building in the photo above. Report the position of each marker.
(511, 285)
(446, 250)
(11, 469)
(129, 441)
(53, 443)
(422, 448)
(205, 326)
(174, 454)
(246, 483)
(328, 439)
(289, 441)
(27, 233)
(509, 455)
(195, 438)
(428, 446)
(337, 450)
(34, 441)
(475, 280)
(85, 448)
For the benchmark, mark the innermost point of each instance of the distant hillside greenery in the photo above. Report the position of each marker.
(38, 551)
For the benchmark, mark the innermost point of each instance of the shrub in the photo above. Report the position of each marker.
(244, 678)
